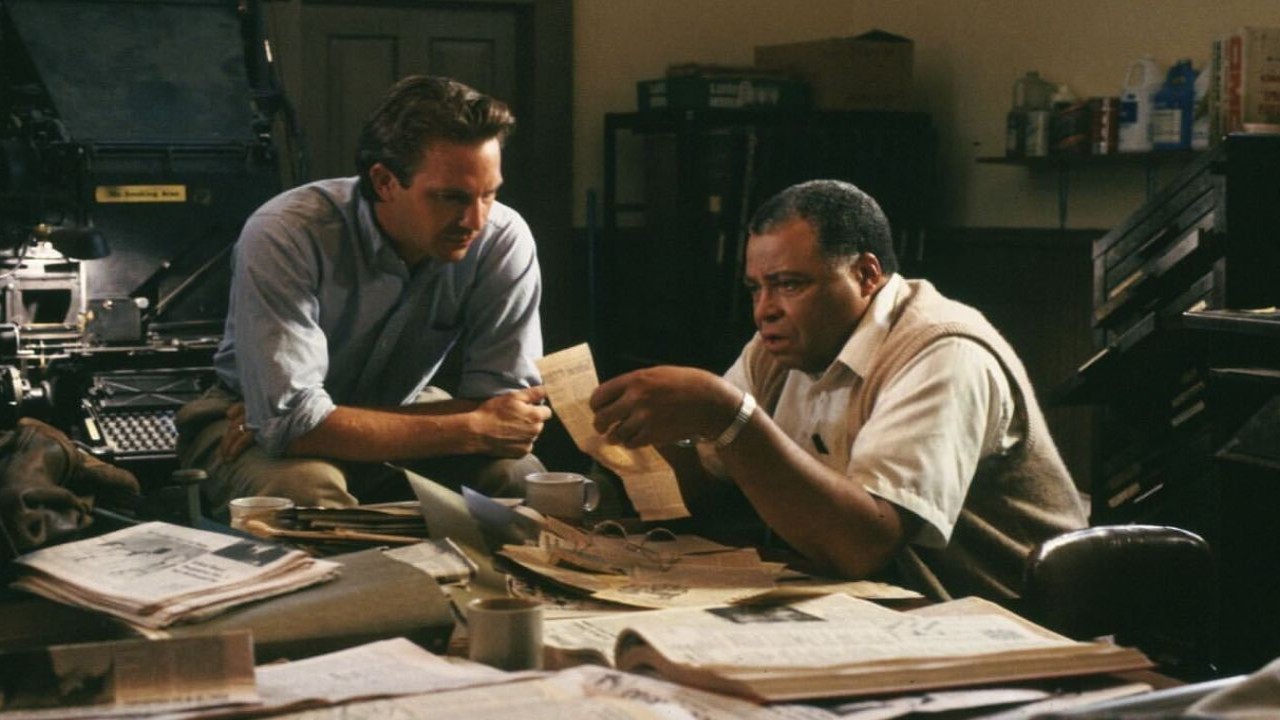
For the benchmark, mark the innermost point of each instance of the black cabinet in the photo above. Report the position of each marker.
(679, 190)
(1205, 242)
(1187, 355)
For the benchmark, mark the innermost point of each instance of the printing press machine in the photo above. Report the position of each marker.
(135, 138)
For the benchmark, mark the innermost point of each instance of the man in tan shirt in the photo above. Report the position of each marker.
(895, 433)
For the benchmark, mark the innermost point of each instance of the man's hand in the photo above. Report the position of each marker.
(508, 424)
(660, 405)
(237, 438)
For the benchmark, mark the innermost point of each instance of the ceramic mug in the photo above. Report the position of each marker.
(562, 495)
(505, 632)
(261, 508)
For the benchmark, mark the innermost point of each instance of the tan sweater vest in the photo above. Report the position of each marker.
(1015, 500)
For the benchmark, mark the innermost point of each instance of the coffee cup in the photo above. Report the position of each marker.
(262, 508)
(505, 632)
(562, 495)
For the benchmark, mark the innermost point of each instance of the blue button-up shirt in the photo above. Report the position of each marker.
(324, 312)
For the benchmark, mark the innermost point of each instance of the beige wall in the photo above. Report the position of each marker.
(967, 55)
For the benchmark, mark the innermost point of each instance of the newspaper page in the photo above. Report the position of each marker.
(588, 693)
(127, 677)
(570, 377)
(592, 639)
(830, 632)
(385, 668)
(441, 559)
(157, 573)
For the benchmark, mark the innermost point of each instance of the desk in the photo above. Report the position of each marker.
(348, 594)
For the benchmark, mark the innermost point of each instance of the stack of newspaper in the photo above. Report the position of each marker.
(155, 574)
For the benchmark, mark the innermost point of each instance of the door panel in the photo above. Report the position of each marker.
(364, 50)
(357, 71)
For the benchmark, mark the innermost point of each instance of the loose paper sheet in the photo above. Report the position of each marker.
(570, 377)
(693, 586)
(586, 693)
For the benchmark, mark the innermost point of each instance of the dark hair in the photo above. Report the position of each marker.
(847, 220)
(419, 110)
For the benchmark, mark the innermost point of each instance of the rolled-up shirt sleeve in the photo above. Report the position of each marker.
(281, 351)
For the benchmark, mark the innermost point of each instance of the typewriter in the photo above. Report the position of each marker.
(129, 415)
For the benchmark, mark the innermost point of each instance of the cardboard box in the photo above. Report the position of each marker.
(1249, 78)
(871, 71)
(720, 92)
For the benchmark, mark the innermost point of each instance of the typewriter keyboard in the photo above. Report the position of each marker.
(143, 431)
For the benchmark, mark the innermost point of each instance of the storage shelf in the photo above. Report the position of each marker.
(1063, 162)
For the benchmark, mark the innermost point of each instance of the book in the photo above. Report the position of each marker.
(835, 646)
(156, 574)
(127, 678)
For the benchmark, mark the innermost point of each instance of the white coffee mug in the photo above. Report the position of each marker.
(505, 632)
(261, 508)
(562, 495)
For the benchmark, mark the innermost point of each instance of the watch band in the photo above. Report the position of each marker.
(745, 411)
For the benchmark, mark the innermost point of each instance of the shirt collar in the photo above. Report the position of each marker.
(870, 332)
(376, 243)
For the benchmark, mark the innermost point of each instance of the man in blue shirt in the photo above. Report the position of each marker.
(347, 294)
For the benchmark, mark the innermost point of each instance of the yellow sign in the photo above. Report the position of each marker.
(140, 193)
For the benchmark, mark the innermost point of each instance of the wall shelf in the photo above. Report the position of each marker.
(1063, 164)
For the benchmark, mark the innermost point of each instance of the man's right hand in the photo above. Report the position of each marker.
(508, 424)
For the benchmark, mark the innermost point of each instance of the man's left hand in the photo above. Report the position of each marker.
(237, 437)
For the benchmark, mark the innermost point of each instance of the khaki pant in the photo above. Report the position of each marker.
(318, 482)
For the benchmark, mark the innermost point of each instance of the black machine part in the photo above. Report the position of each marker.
(147, 120)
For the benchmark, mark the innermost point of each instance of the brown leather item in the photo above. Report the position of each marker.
(1153, 587)
(48, 487)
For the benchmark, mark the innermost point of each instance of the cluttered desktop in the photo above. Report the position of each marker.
(115, 233)
(460, 605)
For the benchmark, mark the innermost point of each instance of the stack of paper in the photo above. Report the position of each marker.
(330, 531)
(399, 518)
(156, 574)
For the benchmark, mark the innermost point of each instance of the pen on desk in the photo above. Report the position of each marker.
(819, 445)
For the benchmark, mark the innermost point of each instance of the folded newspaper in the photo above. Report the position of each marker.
(156, 574)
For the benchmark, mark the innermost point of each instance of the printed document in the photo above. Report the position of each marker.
(570, 377)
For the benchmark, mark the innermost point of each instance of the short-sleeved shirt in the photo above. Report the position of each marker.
(955, 386)
(324, 312)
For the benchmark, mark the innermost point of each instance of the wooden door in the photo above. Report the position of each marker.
(353, 56)
(337, 57)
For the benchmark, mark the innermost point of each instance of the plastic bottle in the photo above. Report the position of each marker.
(1202, 113)
(1173, 108)
(1137, 97)
(1028, 116)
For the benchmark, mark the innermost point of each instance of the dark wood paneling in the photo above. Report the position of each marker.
(1035, 286)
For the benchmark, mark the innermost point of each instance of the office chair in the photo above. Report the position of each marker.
(1151, 587)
